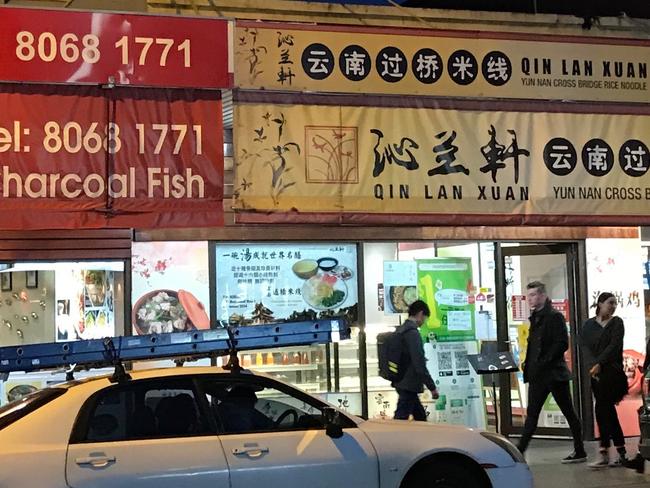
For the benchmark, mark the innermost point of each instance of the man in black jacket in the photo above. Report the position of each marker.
(545, 369)
(416, 375)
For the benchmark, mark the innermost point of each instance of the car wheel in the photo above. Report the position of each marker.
(449, 474)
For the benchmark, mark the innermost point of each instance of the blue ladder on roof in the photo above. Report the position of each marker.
(110, 351)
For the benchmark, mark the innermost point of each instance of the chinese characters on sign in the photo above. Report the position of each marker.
(597, 157)
(347, 59)
(520, 309)
(265, 283)
(403, 154)
(613, 266)
(392, 65)
(443, 162)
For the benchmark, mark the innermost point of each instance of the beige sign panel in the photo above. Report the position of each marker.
(351, 59)
(543, 167)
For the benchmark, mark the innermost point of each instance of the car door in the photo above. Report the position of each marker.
(274, 435)
(145, 434)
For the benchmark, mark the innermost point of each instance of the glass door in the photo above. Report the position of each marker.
(555, 266)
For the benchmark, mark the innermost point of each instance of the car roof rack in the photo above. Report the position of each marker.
(180, 346)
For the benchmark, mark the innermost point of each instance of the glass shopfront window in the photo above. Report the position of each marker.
(262, 283)
(475, 291)
(477, 295)
(61, 301)
(57, 301)
(443, 275)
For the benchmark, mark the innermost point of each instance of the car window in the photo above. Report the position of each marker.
(16, 410)
(144, 410)
(249, 406)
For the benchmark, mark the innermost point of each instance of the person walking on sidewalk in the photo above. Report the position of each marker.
(545, 369)
(408, 388)
(602, 338)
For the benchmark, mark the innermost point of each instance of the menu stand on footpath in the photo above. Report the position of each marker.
(492, 362)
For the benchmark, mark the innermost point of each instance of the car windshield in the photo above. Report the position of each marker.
(18, 409)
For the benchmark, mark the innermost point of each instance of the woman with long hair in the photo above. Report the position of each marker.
(602, 338)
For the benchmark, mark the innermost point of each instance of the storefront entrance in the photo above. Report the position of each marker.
(556, 266)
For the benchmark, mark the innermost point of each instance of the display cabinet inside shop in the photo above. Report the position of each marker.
(304, 366)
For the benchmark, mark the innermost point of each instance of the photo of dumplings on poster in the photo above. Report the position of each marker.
(170, 287)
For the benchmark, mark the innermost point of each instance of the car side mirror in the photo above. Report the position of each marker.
(332, 422)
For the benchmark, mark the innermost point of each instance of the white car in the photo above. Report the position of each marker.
(206, 427)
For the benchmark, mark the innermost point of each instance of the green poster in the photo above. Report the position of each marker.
(445, 284)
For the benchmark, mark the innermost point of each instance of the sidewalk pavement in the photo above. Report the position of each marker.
(544, 458)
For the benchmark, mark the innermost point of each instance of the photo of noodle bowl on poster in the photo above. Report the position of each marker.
(170, 288)
(266, 283)
(400, 285)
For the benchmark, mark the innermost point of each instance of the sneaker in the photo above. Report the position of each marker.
(575, 457)
(637, 463)
(619, 462)
(601, 463)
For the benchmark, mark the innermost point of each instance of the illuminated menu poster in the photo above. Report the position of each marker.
(170, 286)
(400, 285)
(85, 305)
(445, 284)
(264, 283)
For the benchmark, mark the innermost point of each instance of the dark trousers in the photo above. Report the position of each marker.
(408, 403)
(537, 394)
(607, 419)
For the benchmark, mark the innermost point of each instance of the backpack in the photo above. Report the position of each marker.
(392, 355)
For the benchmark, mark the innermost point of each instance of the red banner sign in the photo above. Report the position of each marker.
(562, 306)
(57, 46)
(110, 158)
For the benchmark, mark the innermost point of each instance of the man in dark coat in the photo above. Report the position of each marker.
(545, 369)
(416, 375)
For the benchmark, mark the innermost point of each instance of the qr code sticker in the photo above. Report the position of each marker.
(444, 361)
(461, 360)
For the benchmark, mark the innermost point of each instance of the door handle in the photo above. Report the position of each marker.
(95, 461)
(251, 452)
